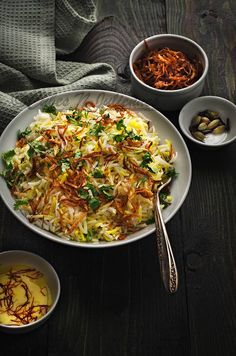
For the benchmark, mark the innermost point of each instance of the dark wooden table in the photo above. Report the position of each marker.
(112, 301)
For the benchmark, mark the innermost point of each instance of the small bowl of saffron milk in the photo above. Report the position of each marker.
(29, 291)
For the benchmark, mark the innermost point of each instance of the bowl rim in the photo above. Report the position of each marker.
(69, 243)
(199, 99)
(36, 323)
(179, 37)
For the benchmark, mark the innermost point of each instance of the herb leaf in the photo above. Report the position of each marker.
(24, 133)
(92, 189)
(50, 109)
(20, 202)
(94, 203)
(98, 174)
(89, 235)
(127, 134)
(163, 199)
(120, 124)
(119, 138)
(65, 164)
(35, 148)
(106, 191)
(83, 193)
(143, 180)
(7, 158)
(150, 221)
(133, 136)
(146, 160)
(97, 128)
(74, 119)
(77, 114)
(172, 172)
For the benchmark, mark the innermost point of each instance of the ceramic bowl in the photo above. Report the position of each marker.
(165, 129)
(168, 100)
(226, 110)
(15, 257)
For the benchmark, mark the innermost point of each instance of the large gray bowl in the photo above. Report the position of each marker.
(164, 127)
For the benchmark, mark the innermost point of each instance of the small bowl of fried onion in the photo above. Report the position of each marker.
(167, 71)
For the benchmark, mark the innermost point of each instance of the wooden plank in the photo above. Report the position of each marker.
(211, 24)
(209, 219)
(2, 223)
(112, 301)
(144, 320)
(15, 236)
(113, 39)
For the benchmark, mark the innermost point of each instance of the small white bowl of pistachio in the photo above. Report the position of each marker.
(209, 121)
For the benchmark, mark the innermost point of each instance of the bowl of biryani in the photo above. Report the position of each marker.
(81, 168)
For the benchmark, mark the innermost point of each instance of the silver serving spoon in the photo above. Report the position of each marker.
(168, 268)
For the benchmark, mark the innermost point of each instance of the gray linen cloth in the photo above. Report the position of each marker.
(32, 33)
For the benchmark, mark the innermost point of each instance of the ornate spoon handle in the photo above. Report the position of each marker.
(168, 268)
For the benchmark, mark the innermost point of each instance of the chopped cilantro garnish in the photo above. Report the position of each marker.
(106, 190)
(50, 109)
(146, 160)
(120, 124)
(24, 133)
(36, 147)
(83, 193)
(98, 174)
(97, 128)
(133, 136)
(92, 189)
(150, 221)
(143, 180)
(94, 203)
(20, 202)
(171, 172)
(89, 235)
(10, 176)
(65, 164)
(7, 158)
(119, 138)
(30, 152)
(77, 114)
(73, 120)
(163, 199)
(126, 134)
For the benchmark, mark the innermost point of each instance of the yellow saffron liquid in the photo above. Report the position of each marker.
(29, 293)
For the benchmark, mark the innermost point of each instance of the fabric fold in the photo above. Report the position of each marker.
(29, 70)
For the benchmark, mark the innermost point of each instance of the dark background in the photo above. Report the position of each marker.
(112, 301)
